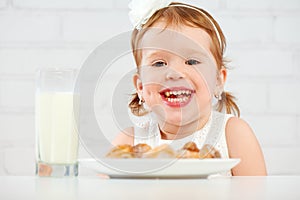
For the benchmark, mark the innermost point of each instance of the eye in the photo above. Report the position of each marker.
(159, 63)
(192, 62)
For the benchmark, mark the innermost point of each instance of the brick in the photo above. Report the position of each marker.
(28, 27)
(267, 5)
(121, 4)
(15, 127)
(97, 27)
(249, 5)
(285, 97)
(258, 63)
(20, 161)
(282, 161)
(246, 29)
(3, 4)
(298, 128)
(17, 93)
(33, 58)
(251, 97)
(65, 4)
(297, 64)
(207, 5)
(286, 5)
(274, 130)
(286, 31)
(2, 167)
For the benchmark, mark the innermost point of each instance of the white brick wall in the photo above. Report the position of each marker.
(28, 26)
(280, 93)
(17, 93)
(259, 62)
(17, 161)
(245, 91)
(291, 5)
(64, 5)
(242, 28)
(92, 27)
(275, 129)
(18, 127)
(297, 64)
(286, 29)
(263, 45)
(30, 59)
(2, 4)
(249, 5)
(267, 5)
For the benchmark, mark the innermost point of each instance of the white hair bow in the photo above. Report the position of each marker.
(142, 10)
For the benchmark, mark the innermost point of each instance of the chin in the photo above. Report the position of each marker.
(179, 119)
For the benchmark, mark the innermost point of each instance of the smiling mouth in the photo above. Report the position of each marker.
(176, 96)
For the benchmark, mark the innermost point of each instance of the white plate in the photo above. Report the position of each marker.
(159, 168)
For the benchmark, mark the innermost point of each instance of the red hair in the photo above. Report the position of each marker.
(183, 14)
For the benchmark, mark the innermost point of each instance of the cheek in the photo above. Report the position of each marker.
(205, 81)
(203, 96)
(151, 75)
(151, 94)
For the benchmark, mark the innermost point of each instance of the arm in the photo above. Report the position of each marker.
(125, 137)
(243, 144)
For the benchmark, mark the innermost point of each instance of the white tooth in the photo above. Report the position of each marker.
(167, 94)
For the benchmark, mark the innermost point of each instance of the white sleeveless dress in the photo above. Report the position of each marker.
(146, 130)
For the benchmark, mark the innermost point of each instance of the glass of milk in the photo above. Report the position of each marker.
(57, 115)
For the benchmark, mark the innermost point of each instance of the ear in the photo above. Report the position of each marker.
(222, 76)
(221, 79)
(137, 83)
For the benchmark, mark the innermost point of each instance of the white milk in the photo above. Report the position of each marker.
(57, 134)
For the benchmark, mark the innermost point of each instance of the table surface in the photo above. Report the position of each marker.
(93, 187)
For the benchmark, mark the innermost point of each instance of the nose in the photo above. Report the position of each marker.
(173, 74)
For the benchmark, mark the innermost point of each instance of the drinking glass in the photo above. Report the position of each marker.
(57, 114)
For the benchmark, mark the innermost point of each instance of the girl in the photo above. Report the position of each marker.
(181, 72)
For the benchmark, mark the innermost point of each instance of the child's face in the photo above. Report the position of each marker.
(178, 73)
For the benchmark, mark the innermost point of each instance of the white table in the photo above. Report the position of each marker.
(272, 187)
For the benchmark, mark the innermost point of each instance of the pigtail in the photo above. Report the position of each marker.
(136, 107)
(228, 104)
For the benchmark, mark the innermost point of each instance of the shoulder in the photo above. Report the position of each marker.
(238, 132)
(242, 143)
(126, 136)
(235, 124)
